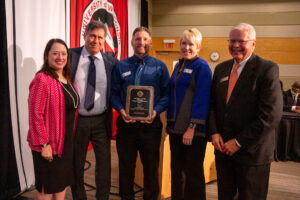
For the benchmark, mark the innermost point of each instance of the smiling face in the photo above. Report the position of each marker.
(188, 48)
(57, 57)
(141, 43)
(94, 40)
(241, 46)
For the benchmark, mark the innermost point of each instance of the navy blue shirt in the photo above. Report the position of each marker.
(152, 72)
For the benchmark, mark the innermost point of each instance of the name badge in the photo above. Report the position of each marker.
(188, 71)
(224, 79)
(126, 74)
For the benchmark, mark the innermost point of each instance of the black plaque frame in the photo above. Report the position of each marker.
(139, 102)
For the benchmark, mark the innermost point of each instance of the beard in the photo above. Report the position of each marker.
(144, 51)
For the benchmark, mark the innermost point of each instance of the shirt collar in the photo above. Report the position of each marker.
(136, 59)
(85, 54)
(243, 63)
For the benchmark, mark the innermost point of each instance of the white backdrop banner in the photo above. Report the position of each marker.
(36, 21)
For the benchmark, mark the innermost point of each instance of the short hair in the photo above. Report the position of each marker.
(46, 67)
(296, 84)
(95, 25)
(194, 35)
(248, 27)
(139, 29)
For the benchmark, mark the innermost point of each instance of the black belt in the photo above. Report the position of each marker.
(92, 116)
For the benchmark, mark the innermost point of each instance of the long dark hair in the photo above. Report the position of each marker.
(49, 70)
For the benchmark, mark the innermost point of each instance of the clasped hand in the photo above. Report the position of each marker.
(125, 117)
(229, 148)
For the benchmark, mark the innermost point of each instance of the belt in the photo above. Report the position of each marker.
(92, 116)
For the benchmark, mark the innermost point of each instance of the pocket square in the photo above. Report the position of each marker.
(224, 79)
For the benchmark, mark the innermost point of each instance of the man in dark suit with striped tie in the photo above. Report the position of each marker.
(91, 74)
(246, 106)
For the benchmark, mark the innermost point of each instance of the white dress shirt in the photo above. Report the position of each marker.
(101, 83)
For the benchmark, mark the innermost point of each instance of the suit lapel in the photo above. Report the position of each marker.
(107, 65)
(224, 87)
(74, 61)
(243, 79)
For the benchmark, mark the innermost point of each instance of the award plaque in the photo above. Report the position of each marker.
(139, 102)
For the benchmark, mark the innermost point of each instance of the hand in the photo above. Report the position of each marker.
(217, 141)
(151, 120)
(124, 116)
(47, 153)
(297, 110)
(230, 147)
(188, 136)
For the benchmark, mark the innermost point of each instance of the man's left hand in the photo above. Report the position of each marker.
(297, 110)
(151, 120)
(230, 147)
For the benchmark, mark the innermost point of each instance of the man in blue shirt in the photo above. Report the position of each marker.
(143, 136)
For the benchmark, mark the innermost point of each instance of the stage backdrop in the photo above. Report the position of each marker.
(112, 13)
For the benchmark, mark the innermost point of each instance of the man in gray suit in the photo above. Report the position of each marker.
(246, 106)
(91, 74)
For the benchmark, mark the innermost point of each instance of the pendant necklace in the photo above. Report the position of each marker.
(75, 104)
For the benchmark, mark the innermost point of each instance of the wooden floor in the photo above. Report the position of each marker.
(284, 181)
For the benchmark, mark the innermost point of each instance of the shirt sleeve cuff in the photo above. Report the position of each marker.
(238, 143)
(293, 108)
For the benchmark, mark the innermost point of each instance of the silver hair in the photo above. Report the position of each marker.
(248, 27)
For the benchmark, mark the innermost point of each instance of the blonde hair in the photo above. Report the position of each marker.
(194, 35)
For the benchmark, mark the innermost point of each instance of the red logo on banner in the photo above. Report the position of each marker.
(112, 14)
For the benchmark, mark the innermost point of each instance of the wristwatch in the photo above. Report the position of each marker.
(44, 145)
(192, 125)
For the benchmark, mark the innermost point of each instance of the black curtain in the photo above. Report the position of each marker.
(144, 13)
(9, 180)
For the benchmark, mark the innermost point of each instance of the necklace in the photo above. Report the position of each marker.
(75, 104)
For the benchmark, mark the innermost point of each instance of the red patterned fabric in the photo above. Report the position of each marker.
(113, 13)
(46, 107)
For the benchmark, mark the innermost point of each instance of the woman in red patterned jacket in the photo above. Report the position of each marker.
(52, 107)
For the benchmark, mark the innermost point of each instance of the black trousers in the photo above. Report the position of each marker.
(92, 128)
(145, 138)
(243, 182)
(187, 175)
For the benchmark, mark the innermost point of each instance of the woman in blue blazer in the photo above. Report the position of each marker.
(187, 112)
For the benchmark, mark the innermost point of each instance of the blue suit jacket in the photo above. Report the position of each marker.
(109, 62)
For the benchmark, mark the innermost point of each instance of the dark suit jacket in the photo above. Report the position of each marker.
(253, 111)
(288, 100)
(109, 62)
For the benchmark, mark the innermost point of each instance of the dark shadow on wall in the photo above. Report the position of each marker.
(9, 180)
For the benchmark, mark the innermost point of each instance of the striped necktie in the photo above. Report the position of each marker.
(137, 80)
(90, 87)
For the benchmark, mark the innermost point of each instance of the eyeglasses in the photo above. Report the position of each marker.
(241, 42)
